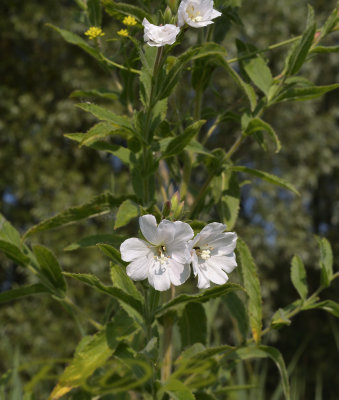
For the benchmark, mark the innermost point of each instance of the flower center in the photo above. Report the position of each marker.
(193, 13)
(161, 255)
(204, 253)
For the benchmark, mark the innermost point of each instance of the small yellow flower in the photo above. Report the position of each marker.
(129, 21)
(123, 32)
(94, 32)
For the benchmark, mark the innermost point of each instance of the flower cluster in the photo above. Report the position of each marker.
(164, 257)
(94, 32)
(195, 13)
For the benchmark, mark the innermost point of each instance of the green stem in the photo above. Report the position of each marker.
(197, 104)
(234, 147)
(168, 345)
(200, 195)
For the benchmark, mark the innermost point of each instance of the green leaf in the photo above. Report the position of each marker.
(193, 324)
(147, 57)
(275, 180)
(252, 286)
(105, 115)
(229, 203)
(119, 329)
(258, 124)
(9, 233)
(111, 252)
(259, 73)
(72, 38)
(50, 272)
(121, 152)
(177, 390)
(122, 281)
(99, 205)
(305, 93)
(98, 131)
(178, 144)
(21, 292)
(127, 211)
(200, 297)
(299, 51)
(328, 305)
(113, 239)
(330, 23)
(94, 12)
(274, 354)
(14, 253)
(91, 353)
(238, 311)
(118, 294)
(326, 261)
(298, 276)
(113, 8)
(99, 93)
(325, 49)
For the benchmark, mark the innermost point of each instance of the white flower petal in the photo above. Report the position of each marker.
(223, 244)
(148, 226)
(203, 281)
(211, 231)
(138, 269)
(214, 273)
(159, 35)
(178, 273)
(179, 251)
(165, 232)
(227, 263)
(159, 278)
(183, 232)
(134, 248)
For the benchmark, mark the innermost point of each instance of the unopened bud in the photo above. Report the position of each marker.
(173, 5)
(166, 209)
(167, 16)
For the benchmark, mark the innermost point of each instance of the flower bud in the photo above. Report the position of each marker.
(167, 16)
(166, 209)
(173, 5)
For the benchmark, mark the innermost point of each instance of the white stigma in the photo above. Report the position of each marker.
(205, 254)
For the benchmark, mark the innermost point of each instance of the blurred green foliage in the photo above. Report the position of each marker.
(43, 173)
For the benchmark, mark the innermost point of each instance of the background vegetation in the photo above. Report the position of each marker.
(42, 173)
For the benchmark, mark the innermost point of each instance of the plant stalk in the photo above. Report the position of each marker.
(168, 345)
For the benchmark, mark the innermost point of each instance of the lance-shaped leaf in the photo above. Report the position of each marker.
(178, 144)
(326, 261)
(50, 272)
(115, 8)
(126, 212)
(88, 241)
(267, 177)
(229, 202)
(274, 354)
(103, 94)
(298, 276)
(299, 51)
(193, 324)
(237, 309)
(106, 115)
(252, 287)
(328, 305)
(121, 152)
(94, 12)
(122, 281)
(257, 124)
(200, 297)
(97, 132)
(118, 294)
(19, 293)
(177, 390)
(14, 253)
(99, 205)
(305, 93)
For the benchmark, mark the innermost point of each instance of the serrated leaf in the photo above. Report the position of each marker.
(118, 294)
(274, 354)
(122, 281)
(237, 309)
(14, 253)
(326, 261)
(88, 241)
(19, 293)
(120, 328)
(104, 94)
(193, 325)
(126, 212)
(275, 180)
(97, 132)
(8, 232)
(298, 276)
(99, 205)
(252, 286)
(178, 144)
(330, 23)
(258, 124)
(200, 297)
(106, 115)
(327, 305)
(300, 51)
(94, 12)
(111, 252)
(50, 271)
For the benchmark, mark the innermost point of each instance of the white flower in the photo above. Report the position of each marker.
(213, 255)
(196, 13)
(159, 35)
(164, 258)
